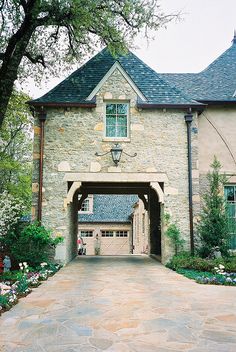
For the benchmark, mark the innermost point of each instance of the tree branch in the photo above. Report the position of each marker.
(39, 59)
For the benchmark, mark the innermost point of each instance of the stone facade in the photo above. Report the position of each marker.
(74, 135)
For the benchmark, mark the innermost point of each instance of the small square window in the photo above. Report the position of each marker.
(87, 205)
(117, 120)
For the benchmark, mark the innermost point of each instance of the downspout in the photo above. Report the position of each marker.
(42, 118)
(188, 120)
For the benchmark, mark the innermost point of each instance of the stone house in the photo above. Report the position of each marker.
(173, 123)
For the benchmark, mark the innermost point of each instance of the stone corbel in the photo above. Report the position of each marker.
(145, 202)
(160, 193)
(69, 198)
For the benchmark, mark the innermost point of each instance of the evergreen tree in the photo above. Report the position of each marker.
(213, 225)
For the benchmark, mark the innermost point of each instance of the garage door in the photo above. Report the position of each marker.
(115, 242)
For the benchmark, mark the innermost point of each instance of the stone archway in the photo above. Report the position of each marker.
(114, 183)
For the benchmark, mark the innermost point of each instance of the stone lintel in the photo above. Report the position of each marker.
(117, 177)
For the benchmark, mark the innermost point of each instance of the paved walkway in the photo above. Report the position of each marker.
(121, 304)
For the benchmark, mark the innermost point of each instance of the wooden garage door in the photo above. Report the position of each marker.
(115, 242)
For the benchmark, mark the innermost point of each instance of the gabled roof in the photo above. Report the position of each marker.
(217, 83)
(110, 208)
(75, 89)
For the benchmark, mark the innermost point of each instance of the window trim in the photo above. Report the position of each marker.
(90, 211)
(231, 202)
(79, 234)
(121, 139)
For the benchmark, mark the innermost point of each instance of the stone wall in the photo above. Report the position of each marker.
(73, 136)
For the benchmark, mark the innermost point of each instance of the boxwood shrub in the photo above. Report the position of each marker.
(186, 261)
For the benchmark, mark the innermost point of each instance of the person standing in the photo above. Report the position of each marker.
(80, 243)
(97, 245)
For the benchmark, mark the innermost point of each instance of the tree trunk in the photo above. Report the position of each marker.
(13, 55)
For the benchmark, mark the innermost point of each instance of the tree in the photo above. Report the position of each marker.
(47, 33)
(16, 149)
(213, 227)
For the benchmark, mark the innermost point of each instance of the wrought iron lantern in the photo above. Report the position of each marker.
(116, 152)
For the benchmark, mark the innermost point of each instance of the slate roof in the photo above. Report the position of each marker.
(110, 208)
(77, 87)
(216, 83)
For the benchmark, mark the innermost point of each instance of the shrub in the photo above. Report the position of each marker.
(173, 233)
(213, 229)
(32, 244)
(186, 261)
(10, 211)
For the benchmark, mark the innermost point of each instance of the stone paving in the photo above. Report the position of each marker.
(121, 304)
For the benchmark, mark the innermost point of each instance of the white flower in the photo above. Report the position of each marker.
(221, 266)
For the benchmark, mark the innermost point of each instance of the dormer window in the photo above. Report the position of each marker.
(117, 120)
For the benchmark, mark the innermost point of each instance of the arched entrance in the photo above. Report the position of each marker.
(149, 191)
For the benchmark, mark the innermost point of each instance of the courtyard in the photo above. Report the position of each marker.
(125, 303)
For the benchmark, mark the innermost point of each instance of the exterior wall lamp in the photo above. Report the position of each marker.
(116, 152)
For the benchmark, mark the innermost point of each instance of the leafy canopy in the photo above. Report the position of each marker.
(16, 149)
(51, 33)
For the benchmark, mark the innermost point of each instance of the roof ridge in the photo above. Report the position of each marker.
(74, 73)
(165, 81)
(217, 59)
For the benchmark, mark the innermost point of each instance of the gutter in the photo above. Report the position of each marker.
(65, 104)
(42, 118)
(188, 120)
(198, 107)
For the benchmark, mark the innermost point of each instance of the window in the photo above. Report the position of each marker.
(230, 196)
(111, 233)
(87, 233)
(87, 205)
(121, 233)
(117, 120)
(107, 233)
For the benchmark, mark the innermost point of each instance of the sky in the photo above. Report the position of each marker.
(204, 32)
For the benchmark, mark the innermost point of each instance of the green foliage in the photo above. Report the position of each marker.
(186, 261)
(16, 149)
(213, 228)
(11, 276)
(173, 233)
(53, 34)
(4, 301)
(204, 277)
(22, 285)
(32, 244)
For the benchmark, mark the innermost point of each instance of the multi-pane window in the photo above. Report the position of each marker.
(121, 233)
(87, 205)
(230, 196)
(117, 120)
(107, 233)
(86, 233)
(110, 233)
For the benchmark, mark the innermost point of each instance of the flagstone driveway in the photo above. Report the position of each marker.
(121, 304)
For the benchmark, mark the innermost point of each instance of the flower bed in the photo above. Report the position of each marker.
(220, 277)
(14, 285)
